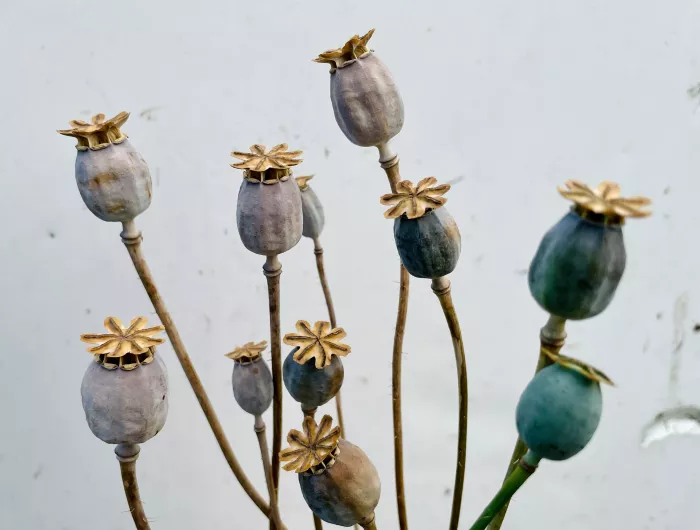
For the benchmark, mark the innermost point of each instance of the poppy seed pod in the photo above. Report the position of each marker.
(580, 261)
(338, 481)
(125, 391)
(366, 102)
(113, 178)
(312, 210)
(313, 372)
(560, 409)
(269, 213)
(426, 235)
(252, 380)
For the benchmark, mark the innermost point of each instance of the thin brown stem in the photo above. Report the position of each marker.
(265, 455)
(127, 454)
(390, 163)
(441, 287)
(131, 237)
(318, 250)
(272, 270)
(552, 338)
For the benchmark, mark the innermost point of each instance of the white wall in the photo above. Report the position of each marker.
(511, 97)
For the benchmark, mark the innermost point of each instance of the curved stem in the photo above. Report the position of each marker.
(265, 455)
(318, 250)
(272, 270)
(442, 289)
(390, 163)
(552, 337)
(131, 238)
(525, 468)
(127, 454)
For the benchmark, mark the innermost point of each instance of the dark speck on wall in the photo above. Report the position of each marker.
(667, 190)
(696, 328)
(447, 492)
(659, 315)
(88, 311)
(326, 152)
(52, 234)
(225, 231)
(200, 272)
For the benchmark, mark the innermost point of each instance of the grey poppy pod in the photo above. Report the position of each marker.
(426, 235)
(251, 379)
(125, 391)
(313, 372)
(338, 481)
(580, 261)
(269, 212)
(366, 102)
(312, 210)
(113, 178)
(560, 409)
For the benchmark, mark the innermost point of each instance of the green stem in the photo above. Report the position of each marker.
(527, 466)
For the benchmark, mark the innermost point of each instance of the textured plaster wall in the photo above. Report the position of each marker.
(504, 99)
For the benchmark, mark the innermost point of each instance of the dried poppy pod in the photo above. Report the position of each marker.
(338, 482)
(312, 209)
(252, 380)
(580, 261)
(125, 391)
(269, 213)
(366, 102)
(113, 178)
(313, 372)
(426, 235)
(560, 409)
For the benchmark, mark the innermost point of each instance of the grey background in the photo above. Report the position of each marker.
(504, 99)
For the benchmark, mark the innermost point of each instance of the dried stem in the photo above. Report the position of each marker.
(127, 454)
(523, 470)
(390, 163)
(131, 237)
(265, 455)
(272, 270)
(318, 250)
(442, 289)
(552, 337)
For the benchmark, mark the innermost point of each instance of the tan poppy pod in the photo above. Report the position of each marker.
(338, 481)
(366, 102)
(113, 178)
(125, 390)
(269, 212)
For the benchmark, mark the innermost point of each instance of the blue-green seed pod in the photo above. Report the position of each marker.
(580, 261)
(429, 246)
(311, 386)
(559, 412)
(426, 235)
(311, 208)
(578, 266)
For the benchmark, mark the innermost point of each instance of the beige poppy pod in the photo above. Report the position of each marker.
(366, 102)
(113, 178)
(125, 390)
(338, 481)
(269, 211)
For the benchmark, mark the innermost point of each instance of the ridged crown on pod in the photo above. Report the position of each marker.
(320, 342)
(124, 347)
(415, 201)
(247, 353)
(267, 167)
(313, 450)
(97, 134)
(353, 49)
(585, 369)
(605, 200)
